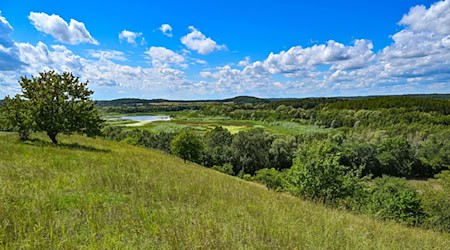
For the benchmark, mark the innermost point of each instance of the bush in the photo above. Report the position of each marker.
(227, 168)
(396, 157)
(318, 174)
(272, 178)
(436, 203)
(392, 198)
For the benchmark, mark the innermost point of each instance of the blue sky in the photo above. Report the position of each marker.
(206, 49)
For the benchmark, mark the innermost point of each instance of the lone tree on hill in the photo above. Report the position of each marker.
(53, 103)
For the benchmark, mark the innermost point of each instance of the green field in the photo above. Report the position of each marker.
(97, 194)
(181, 121)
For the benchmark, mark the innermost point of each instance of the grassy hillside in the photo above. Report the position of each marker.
(104, 195)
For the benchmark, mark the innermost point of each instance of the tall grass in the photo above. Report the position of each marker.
(90, 193)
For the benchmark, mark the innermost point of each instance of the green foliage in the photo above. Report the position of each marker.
(281, 152)
(187, 146)
(17, 116)
(251, 151)
(434, 152)
(227, 168)
(392, 198)
(317, 173)
(396, 157)
(270, 177)
(436, 203)
(416, 104)
(363, 155)
(56, 103)
(217, 147)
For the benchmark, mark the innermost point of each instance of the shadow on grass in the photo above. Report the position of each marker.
(71, 146)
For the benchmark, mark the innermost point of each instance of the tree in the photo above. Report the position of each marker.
(281, 152)
(58, 103)
(251, 151)
(187, 146)
(396, 157)
(17, 116)
(217, 147)
(318, 174)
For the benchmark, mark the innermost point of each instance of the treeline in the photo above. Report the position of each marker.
(375, 153)
(409, 103)
(325, 117)
(149, 108)
(306, 103)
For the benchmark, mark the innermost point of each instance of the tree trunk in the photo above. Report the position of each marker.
(53, 137)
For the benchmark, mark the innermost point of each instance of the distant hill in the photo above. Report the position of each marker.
(98, 194)
(306, 103)
(245, 99)
(137, 101)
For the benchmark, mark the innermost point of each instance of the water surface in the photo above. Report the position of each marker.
(146, 118)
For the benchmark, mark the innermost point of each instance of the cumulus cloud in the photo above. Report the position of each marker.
(162, 57)
(107, 54)
(197, 41)
(9, 54)
(421, 50)
(100, 70)
(166, 29)
(418, 60)
(130, 36)
(73, 33)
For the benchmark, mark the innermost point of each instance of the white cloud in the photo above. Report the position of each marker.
(162, 57)
(197, 41)
(73, 33)
(245, 63)
(130, 36)
(107, 54)
(422, 48)
(418, 60)
(100, 70)
(9, 56)
(436, 19)
(166, 29)
(298, 61)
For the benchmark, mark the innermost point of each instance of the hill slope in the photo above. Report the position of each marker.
(100, 194)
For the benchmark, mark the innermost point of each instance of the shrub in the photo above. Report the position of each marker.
(272, 178)
(318, 174)
(436, 203)
(392, 198)
(227, 168)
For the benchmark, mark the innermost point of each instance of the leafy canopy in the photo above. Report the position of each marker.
(187, 146)
(55, 103)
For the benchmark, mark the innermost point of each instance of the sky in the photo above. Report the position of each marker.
(220, 49)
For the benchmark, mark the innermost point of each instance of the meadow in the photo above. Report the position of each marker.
(185, 120)
(99, 194)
